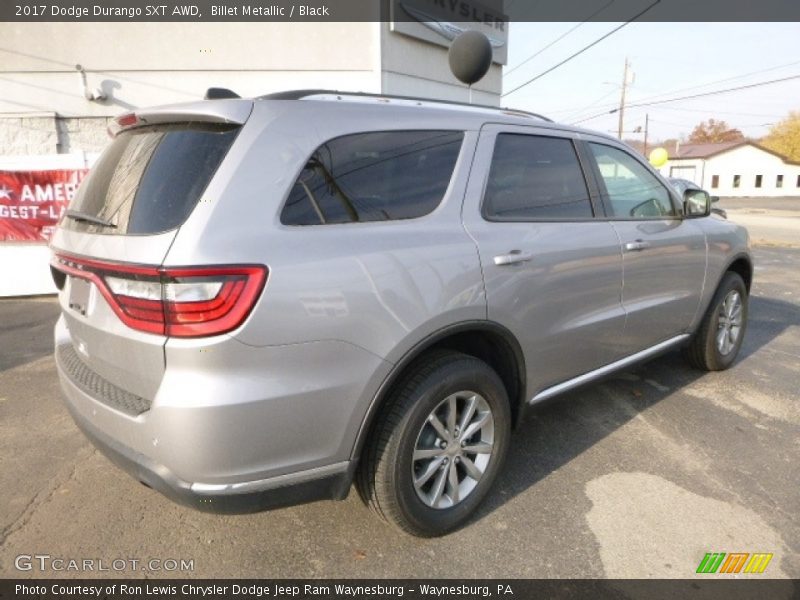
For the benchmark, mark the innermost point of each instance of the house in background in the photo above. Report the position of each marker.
(735, 169)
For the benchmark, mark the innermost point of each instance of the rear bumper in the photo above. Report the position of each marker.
(231, 428)
(325, 483)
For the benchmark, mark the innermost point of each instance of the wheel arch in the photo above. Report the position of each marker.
(741, 264)
(485, 340)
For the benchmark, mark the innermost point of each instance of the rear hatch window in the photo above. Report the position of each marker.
(149, 179)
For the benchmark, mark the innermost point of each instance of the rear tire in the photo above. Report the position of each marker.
(438, 445)
(719, 337)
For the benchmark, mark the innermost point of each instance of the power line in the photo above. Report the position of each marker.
(582, 50)
(723, 112)
(695, 87)
(559, 38)
(701, 95)
(678, 91)
(576, 113)
(691, 125)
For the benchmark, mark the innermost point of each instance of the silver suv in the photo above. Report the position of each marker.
(264, 301)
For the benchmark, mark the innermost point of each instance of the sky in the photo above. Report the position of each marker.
(684, 58)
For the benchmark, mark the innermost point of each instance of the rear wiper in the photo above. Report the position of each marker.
(87, 218)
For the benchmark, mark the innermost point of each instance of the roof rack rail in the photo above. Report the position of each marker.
(301, 94)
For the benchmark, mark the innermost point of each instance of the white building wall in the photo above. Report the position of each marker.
(747, 162)
(43, 109)
(146, 63)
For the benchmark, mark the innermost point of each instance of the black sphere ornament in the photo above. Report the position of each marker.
(470, 56)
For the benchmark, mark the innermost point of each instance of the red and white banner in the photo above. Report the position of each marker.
(32, 202)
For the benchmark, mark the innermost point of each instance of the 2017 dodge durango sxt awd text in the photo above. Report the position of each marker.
(265, 300)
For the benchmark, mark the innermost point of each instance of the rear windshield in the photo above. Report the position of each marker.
(149, 179)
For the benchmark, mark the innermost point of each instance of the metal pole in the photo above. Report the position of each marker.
(646, 125)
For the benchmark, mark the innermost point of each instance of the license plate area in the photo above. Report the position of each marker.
(79, 293)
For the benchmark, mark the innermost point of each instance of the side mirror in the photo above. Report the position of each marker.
(696, 203)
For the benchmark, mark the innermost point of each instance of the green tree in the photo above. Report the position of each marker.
(713, 132)
(784, 137)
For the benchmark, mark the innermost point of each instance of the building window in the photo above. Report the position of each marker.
(758, 180)
(798, 181)
(737, 180)
(779, 181)
(715, 181)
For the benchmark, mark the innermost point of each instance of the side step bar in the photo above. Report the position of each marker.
(610, 368)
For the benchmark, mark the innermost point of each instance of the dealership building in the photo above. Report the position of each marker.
(64, 82)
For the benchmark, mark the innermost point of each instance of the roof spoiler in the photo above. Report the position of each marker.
(226, 111)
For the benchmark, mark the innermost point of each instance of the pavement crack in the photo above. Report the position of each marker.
(43, 496)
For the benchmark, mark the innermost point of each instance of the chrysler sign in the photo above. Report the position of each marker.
(441, 21)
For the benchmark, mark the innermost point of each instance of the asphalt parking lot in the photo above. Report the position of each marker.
(638, 476)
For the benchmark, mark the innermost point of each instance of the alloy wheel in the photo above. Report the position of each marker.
(729, 322)
(453, 449)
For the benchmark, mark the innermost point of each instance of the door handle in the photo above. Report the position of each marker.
(636, 246)
(513, 257)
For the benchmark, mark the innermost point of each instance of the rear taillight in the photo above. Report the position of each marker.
(177, 302)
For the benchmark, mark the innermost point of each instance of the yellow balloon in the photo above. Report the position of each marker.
(659, 157)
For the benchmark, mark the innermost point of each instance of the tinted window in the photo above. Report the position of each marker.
(149, 179)
(633, 191)
(377, 176)
(535, 177)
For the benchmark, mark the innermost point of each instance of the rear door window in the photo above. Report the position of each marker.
(534, 178)
(375, 176)
(149, 179)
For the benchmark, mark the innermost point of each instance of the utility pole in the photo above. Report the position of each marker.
(646, 125)
(622, 99)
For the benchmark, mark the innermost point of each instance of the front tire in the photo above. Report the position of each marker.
(717, 341)
(438, 446)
